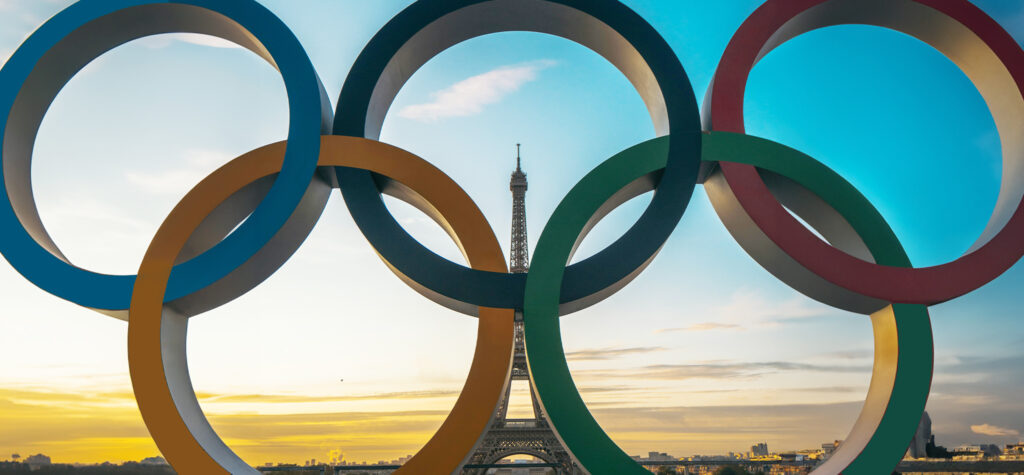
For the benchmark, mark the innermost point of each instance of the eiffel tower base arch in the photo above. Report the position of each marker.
(507, 437)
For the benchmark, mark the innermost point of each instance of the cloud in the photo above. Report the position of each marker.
(700, 327)
(205, 40)
(850, 354)
(608, 353)
(469, 96)
(84, 209)
(8, 5)
(605, 389)
(747, 308)
(296, 398)
(32, 13)
(988, 429)
(165, 40)
(828, 389)
(753, 306)
(719, 370)
(198, 164)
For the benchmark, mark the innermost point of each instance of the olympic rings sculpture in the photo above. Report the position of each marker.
(242, 222)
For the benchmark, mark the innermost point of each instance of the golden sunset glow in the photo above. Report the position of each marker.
(93, 427)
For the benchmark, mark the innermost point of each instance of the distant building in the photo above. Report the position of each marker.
(759, 450)
(1014, 449)
(976, 451)
(651, 457)
(829, 447)
(919, 445)
(792, 457)
(811, 454)
(659, 457)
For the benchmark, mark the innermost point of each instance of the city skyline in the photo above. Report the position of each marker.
(705, 350)
(759, 452)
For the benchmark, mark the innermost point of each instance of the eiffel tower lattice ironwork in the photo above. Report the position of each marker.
(519, 254)
(534, 436)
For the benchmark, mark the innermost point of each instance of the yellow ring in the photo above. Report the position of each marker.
(149, 318)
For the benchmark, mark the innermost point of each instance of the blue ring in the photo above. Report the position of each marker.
(309, 111)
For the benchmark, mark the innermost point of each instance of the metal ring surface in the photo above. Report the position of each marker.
(903, 342)
(966, 35)
(609, 28)
(55, 52)
(156, 332)
(904, 349)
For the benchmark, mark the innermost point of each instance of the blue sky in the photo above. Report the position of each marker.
(704, 353)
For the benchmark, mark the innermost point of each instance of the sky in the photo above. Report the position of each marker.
(705, 352)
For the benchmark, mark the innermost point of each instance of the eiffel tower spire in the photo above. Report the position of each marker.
(519, 254)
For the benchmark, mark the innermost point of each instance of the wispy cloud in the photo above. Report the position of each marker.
(747, 308)
(298, 398)
(989, 429)
(850, 354)
(165, 40)
(198, 164)
(31, 14)
(719, 370)
(12, 4)
(469, 96)
(609, 353)
(701, 327)
(71, 209)
(754, 306)
(828, 389)
(606, 389)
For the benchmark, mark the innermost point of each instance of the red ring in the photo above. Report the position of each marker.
(926, 285)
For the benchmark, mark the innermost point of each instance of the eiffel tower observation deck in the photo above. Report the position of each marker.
(532, 436)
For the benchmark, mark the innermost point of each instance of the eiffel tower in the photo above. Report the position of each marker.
(506, 437)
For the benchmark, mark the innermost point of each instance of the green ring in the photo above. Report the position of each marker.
(560, 398)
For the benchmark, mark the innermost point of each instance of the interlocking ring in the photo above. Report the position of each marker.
(607, 27)
(246, 219)
(903, 345)
(983, 50)
(156, 331)
(48, 59)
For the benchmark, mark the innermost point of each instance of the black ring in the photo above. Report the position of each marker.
(608, 27)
